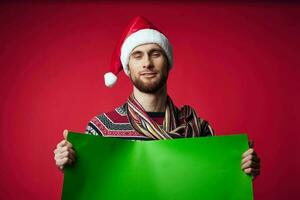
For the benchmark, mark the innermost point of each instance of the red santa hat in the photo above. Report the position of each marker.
(139, 31)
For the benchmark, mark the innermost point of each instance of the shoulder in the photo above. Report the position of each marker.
(99, 124)
(188, 112)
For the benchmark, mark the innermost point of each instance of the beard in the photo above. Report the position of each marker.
(150, 86)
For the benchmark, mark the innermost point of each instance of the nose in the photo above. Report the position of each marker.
(147, 63)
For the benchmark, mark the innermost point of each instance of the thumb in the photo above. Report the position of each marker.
(65, 133)
(251, 144)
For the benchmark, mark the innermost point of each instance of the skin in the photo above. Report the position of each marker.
(64, 153)
(148, 71)
(149, 64)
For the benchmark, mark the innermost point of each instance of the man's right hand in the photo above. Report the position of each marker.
(64, 153)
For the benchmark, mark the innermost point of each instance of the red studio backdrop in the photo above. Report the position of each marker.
(237, 63)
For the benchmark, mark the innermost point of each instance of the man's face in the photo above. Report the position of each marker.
(148, 68)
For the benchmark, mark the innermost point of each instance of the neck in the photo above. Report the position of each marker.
(154, 102)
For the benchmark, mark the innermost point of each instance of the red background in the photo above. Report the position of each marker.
(236, 63)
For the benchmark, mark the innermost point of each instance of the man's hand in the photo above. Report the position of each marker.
(64, 153)
(250, 163)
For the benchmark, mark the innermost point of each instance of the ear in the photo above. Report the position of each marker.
(128, 69)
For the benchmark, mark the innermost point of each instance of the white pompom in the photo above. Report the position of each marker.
(110, 79)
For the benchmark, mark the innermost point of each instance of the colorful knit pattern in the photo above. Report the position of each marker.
(118, 123)
(187, 125)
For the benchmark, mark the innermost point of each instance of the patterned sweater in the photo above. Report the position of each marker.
(116, 124)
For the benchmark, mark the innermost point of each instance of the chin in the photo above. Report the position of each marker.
(149, 85)
(150, 81)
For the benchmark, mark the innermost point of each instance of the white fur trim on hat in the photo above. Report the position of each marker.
(110, 79)
(145, 36)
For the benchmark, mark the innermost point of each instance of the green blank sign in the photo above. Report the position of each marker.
(178, 169)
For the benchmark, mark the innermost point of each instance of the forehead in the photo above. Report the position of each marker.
(146, 47)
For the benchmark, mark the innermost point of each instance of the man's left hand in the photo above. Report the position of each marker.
(250, 163)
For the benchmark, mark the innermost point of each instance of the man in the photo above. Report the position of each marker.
(145, 55)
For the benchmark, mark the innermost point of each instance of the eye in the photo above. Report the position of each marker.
(137, 56)
(156, 54)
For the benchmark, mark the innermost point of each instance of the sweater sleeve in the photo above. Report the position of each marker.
(92, 128)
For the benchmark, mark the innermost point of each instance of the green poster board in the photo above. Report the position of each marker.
(180, 169)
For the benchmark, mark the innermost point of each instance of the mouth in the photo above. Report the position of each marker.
(148, 74)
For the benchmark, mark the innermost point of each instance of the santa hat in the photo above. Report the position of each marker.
(139, 31)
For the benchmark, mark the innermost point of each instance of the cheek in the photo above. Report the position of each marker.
(135, 63)
(162, 65)
(134, 66)
(132, 71)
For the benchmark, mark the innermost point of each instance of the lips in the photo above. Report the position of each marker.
(148, 74)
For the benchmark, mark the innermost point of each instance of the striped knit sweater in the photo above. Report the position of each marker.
(116, 124)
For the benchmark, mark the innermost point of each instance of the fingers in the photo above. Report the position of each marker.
(61, 144)
(251, 157)
(64, 154)
(252, 171)
(249, 152)
(61, 162)
(65, 133)
(67, 157)
(250, 164)
(64, 143)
